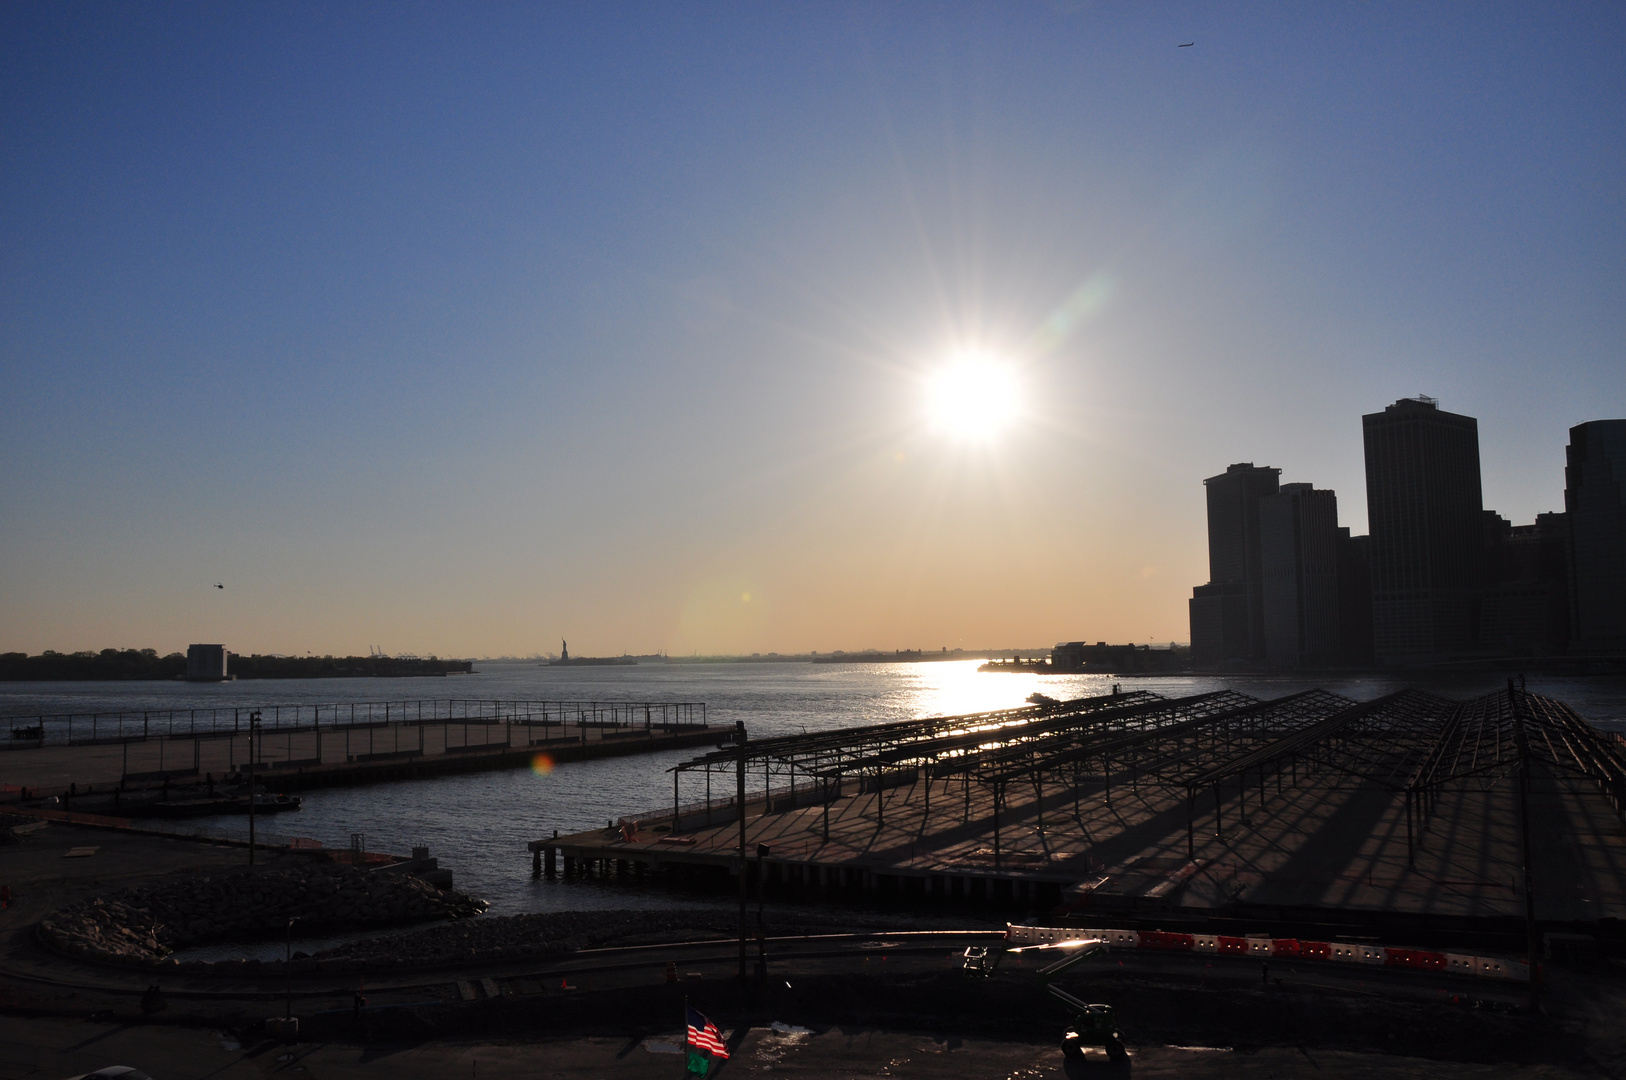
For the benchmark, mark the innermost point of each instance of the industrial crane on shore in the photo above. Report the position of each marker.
(1093, 1024)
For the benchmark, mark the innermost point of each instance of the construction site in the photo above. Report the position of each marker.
(1410, 816)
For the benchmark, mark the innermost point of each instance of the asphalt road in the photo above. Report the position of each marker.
(56, 1049)
(867, 1005)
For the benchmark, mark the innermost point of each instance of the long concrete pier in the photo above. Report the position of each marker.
(305, 751)
(1411, 813)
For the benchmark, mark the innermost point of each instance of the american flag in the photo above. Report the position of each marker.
(703, 1034)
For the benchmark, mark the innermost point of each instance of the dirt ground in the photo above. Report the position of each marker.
(57, 1049)
(914, 1018)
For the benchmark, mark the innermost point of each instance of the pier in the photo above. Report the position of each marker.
(1411, 814)
(304, 746)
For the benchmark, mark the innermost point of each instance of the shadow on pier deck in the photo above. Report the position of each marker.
(1402, 814)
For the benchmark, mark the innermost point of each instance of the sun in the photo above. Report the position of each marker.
(974, 396)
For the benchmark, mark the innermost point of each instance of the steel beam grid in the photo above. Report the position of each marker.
(1585, 750)
(1128, 729)
(1488, 737)
(928, 753)
(1478, 744)
(829, 753)
(1305, 722)
(1376, 742)
(1238, 728)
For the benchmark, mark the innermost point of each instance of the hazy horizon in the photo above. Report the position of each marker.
(458, 330)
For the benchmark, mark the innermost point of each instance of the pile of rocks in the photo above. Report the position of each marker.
(513, 936)
(144, 925)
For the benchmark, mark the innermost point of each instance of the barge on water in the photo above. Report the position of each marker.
(264, 803)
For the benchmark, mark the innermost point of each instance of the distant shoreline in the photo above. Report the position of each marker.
(145, 665)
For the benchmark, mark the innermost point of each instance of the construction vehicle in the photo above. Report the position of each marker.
(1093, 1024)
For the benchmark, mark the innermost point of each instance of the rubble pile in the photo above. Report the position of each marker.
(144, 925)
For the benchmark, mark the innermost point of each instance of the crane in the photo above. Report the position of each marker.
(1093, 1024)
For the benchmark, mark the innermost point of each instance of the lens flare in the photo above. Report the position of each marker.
(974, 396)
(542, 764)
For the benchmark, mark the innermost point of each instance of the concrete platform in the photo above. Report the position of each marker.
(294, 759)
(1312, 845)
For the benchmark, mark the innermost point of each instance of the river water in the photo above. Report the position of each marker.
(478, 824)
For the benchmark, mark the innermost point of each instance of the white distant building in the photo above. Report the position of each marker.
(206, 663)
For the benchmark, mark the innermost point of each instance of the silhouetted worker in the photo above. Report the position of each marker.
(5, 897)
(153, 1000)
(1264, 972)
(210, 777)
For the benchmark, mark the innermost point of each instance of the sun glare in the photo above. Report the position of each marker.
(974, 396)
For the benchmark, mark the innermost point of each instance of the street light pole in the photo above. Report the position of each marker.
(288, 967)
(253, 726)
(745, 896)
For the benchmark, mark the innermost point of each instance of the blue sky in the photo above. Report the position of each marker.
(460, 329)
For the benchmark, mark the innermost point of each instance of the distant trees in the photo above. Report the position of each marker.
(340, 667)
(114, 664)
(91, 666)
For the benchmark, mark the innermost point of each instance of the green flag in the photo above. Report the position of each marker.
(699, 1064)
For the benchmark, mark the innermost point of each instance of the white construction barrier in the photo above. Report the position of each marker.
(1259, 946)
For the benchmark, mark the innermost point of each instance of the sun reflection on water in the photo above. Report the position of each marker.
(957, 688)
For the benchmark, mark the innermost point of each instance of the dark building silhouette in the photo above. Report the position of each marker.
(1423, 503)
(206, 663)
(1081, 656)
(1595, 499)
(1525, 608)
(1354, 598)
(1228, 613)
(1298, 540)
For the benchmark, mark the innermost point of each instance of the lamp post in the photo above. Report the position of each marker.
(745, 896)
(288, 968)
(253, 727)
(762, 879)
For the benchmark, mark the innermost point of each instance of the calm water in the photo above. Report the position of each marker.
(478, 824)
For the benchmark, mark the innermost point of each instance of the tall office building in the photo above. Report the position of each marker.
(1595, 499)
(1525, 611)
(1228, 613)
(1423, 503)
(1298, 541)
(1354, 598)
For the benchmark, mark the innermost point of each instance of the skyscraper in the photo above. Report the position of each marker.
(1299, 541)
(1354, 598)
(1525, 611)
(1423, 503)
(1595, 500)
(1228, 614)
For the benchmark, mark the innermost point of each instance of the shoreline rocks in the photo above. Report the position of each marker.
(144, 925)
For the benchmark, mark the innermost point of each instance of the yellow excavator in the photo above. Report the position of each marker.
(1093, 1025)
